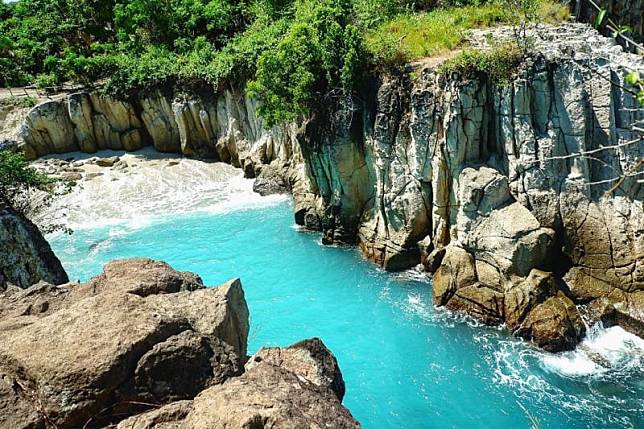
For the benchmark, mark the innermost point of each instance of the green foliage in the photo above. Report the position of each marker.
(370, 13)
(499, 63)
(16, 177)
(412, 36)
(621, 30)
(18, 101)
(409, 37)
(48, 82)
(519, 14)
(292, 54)
(141, 22)
(155, 66)
(320, 53)
(18, 184)
(237, 61)
(599, 19)
(634, 78)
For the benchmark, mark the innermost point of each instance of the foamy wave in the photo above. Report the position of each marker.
(153, 188)
(605, 357)
(603, 350)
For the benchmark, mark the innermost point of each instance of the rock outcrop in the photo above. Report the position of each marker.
(531, 174)
(142, 334)
(25, 256)
(299, 386)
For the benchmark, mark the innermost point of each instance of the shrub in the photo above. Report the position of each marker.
(19, 184)
(48, 82)
(157, 66)
(17, 178)
(321, 53)
(18, 101)
(498, 63)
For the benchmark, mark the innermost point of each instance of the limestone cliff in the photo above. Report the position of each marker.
(495, 186)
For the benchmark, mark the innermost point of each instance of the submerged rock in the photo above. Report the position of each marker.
(141, 333)
(25, 256)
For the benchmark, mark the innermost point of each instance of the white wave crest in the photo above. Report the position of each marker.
(153, 187)
(603, 350)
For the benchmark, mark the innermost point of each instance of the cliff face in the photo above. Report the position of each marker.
(489, 184)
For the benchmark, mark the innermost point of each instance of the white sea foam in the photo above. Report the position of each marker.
(152, 187)
(607, 356)
(604, 349)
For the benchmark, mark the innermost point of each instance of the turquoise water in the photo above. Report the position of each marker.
(405, 364)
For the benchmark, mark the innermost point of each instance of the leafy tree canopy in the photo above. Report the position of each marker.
(291, 54)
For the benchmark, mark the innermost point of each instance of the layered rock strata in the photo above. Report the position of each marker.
(540, 173)
(143, 336)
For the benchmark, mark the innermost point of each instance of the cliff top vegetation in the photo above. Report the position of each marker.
(290, 54)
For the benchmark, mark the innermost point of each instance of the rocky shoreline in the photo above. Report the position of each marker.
(491, 187)
(145, 346)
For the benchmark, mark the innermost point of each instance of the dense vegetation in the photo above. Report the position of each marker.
(289, 53)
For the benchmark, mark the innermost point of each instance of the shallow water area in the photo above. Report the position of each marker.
(405, 364)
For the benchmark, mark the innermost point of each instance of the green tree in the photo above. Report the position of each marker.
(520, 14)
(320, 55)
(17, 178)
(29, 191)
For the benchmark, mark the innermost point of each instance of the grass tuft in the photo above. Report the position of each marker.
(410, 37)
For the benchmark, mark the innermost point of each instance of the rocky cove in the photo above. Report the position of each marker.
(487, 185)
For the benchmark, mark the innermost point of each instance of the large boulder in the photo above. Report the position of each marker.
(299, 386)
(139, 333)
(26, 257)
(456, 271)
(498, 230)
(48, 129)
(553, 325)
(535, 307)
(309, 358)
(270, 181)
(619, 308)
(524, 296)
(479, 302)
